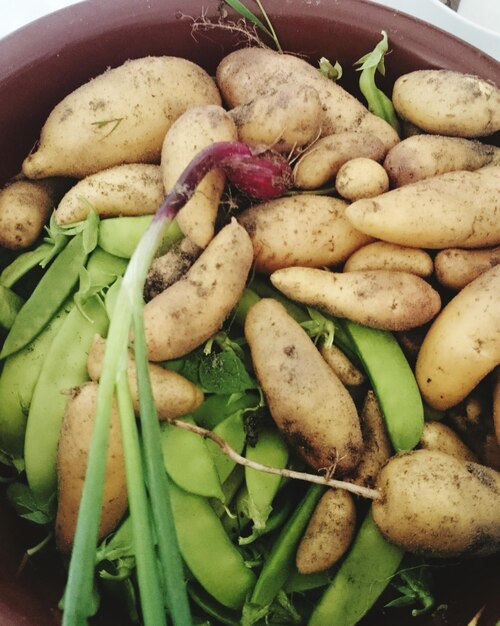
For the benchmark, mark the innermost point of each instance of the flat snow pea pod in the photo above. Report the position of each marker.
(120, 235)
(364, 574)
(233, 432)
(10, 304)
(48, 296)
(22, 264)
(189, 462)
(17, 382)
(270, 449)
(393, 382)
(65, 367)
(281, 560)
(207, 550)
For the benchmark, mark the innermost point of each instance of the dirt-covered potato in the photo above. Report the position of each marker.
(448, 103)
(457, 209)
(378, 298)
(438, 436)
(328, 534)
(361, 178)
(168, 268)
(287, 119)
(432, 503)
(25, 207)
(424, 156)
(72, 457)
(377, 446)
(456, 268)
(309, 404)
(302, 230)
(348, 373)
(463, 344)
(496, 404)
(121, 116)
(251, 72)
(196, 129)
(173, 394)
(381, 255)
(191, 310)
(321, 162)
(131, 189)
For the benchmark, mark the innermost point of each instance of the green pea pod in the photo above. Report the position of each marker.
(48, 296)
(22, 264)
(393, 382)
(17, 382)
(207, 550)
(233, 432)
(364, 574)
(104, 267)
(10, 305)
(65, 366)
(189, 462)
(120, 235)
(210, 607)
(281, 560)
(216, 408)
(270, 449)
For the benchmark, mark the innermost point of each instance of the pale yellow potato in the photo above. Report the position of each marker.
(424, 156)
(197, 128)
(322, 161)
(377, 446)
(174, 395)
(168, 268)
(25, 207)
(496, 404)
(72, 457)
(289, 118)
(348, 373)
(190, 311)
(457, 209)
(251, 72)
(377, 298)
(361, 178)
(309, 404)
(381, 255)
(303, 230)
(448, 103)
(456, 268)
(121, 116)
(463, 344)
(329, 532)
(123, 190)
(438, 436)
(434, 504)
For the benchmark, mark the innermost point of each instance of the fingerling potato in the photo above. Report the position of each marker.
(121, 116)
(190, 311)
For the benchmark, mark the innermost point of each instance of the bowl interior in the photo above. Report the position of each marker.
(47, 59)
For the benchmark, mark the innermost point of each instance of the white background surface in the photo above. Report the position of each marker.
(477, 22)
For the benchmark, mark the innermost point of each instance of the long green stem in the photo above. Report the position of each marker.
(78, 597)
(159, 489)
(147, 569)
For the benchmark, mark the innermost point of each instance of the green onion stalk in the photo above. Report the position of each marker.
(159, 565)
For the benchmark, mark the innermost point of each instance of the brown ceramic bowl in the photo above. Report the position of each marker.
(47, 59)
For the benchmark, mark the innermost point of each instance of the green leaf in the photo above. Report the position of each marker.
(25, 505)
(224, 373)
(245, 12)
